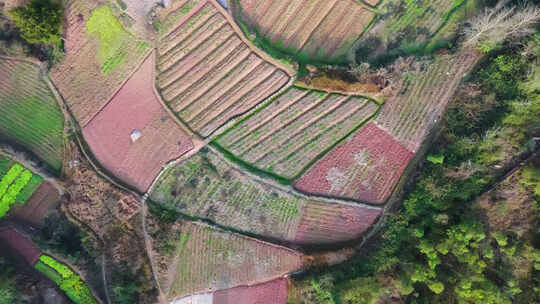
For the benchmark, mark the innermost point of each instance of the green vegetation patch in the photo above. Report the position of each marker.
(111, 35)
(17, 185)
(66, 279)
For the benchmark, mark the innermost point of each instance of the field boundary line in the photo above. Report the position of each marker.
(115, 92)
(377, 98)
(288, 70)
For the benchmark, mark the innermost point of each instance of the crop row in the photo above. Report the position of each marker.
(317, 29)
(293, 129)
(410, 115)
(66, 279)
(208, 259)
(207, 74)
(30, 114)
(17, 185)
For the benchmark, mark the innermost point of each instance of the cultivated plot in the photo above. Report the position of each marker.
(274, 292)
(365, 167)
(100, 55)
(195, 258)
(410, 115)
(207, 74)
(133, 136)
(205, 186)
(313, 29)
(30, 115)
(295, 128)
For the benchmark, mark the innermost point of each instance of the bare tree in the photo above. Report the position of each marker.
(498, 23)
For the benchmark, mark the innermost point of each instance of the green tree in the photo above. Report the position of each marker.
(40, 21)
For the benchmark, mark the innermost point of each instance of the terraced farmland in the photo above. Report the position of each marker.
(274, 292)
(206, 73)
(294, 128)
(205, 186)
(312, 29)
(410, 115)
(30, 115)
(100, 55)
(365, 167)
(204, 259)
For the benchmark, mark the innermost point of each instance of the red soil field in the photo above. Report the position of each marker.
(366, 167)
(274, 292)
(136, 107)
(20, 245)
(332, 223)
(38, 205)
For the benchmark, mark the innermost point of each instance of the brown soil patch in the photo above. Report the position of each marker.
(136, 108)
(274, 292)
(20, 244)
(38, 206)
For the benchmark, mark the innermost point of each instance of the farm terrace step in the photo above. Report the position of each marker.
(314, 29)
(293, 129)
(100, 55)
(205, 186)
(206, 73)
(194, 258)
(30, 115)
(133, 136)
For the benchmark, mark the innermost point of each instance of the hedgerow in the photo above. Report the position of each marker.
(66, 279)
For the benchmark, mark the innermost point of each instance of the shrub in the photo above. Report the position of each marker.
(40, 21)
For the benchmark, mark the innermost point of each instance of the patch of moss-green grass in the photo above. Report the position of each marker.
(111, 36)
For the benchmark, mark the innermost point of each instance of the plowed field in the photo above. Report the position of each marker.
(44, 198)
(29, 113)
(100, 55)
(207, 74)
(365, 167)
(205, 259)
(135, 107)
(204, 186)
(316, 29)
(295, 128)
(274, 292)
(20, 245)
(410, 115)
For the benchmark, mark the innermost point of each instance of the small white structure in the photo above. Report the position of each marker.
(136, 134)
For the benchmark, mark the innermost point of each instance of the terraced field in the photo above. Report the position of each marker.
(365, 167)
(312, 29)
(205, 259)
(294, 128)
(30, 115)
(100, 55)
(206, 73)
(205, 186)
(410, 115)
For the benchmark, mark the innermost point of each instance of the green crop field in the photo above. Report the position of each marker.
(66, 279)
(30, 114)
(16, 184)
